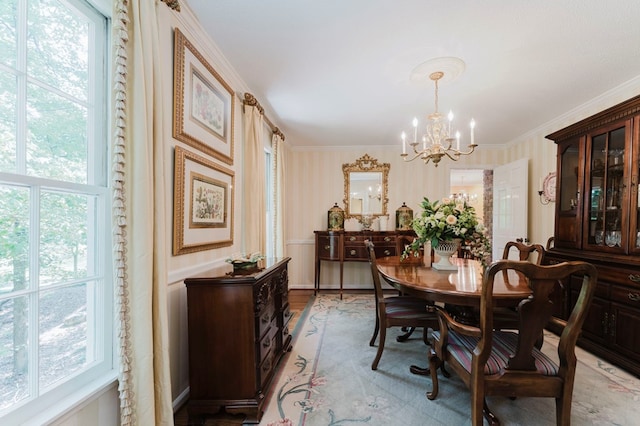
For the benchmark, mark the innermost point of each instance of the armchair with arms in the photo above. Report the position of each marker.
(508, 363)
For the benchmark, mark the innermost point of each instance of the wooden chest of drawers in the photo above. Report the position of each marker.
(238, 331)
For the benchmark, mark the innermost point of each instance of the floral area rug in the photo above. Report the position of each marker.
(326, 380)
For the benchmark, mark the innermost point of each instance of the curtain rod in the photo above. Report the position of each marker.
(173, 4)
(251, 100)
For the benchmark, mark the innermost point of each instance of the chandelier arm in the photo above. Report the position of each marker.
(428, 158)
(471, 149)
(450, 142)
(408, 160)
(455, 156)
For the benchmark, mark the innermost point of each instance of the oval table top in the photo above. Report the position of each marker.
(461, 287)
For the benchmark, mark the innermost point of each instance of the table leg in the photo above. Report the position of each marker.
(491, 418)
(408, 331)
(420, 371)
(316, 282)
(341, 274)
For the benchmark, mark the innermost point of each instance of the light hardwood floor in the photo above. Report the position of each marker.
(298, 299)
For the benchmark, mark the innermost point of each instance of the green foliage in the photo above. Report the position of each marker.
(447, 219)
(53, 142)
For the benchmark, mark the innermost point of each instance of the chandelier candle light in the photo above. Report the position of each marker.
(437, 141)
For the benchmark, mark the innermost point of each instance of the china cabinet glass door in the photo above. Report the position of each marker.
(634, 195)
(569, 203)
(607, 189)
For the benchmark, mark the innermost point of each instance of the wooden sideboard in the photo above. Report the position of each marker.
(238, 331)
(348, 246)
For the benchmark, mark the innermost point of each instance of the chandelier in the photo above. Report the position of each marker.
(437, 140)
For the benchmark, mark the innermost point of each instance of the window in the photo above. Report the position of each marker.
(56, 292)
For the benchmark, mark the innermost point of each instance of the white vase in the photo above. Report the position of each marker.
(383, 222)
(445, 249)
(427, 254)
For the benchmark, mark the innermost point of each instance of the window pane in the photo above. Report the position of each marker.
(57, 135)
(7, 122)
(57, 51)
(8, 10)
(64, 223)
(63, 333)
(14, 238)
(14, 362)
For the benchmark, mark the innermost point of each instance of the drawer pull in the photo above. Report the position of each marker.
(352, 252)
(267, 343)
(387, 252)
(327, 247)
(635, 278)
(352, 238)
(634, 297)
(387, 239)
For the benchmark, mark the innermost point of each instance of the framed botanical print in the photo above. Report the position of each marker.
(203, 203)
(203, 103)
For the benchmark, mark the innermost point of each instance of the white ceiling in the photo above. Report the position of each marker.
(337, 72)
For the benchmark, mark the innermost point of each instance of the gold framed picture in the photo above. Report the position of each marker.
(203, 103)
(203, 203)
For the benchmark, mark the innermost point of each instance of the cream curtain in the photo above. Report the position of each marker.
(254, 200)
(139, 221)
(277, 149)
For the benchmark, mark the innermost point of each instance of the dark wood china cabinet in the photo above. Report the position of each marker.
(598, 220)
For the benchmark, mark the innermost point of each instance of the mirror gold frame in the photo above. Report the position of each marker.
(380, 173)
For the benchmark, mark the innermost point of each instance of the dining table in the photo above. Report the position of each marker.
(459, 287)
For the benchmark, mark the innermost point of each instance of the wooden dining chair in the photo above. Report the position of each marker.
(550, 243)
(396, 311)
(507, 363)
(532, 252)
(402, 241)
(507, 318)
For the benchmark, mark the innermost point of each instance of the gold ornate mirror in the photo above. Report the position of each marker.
(365, 187)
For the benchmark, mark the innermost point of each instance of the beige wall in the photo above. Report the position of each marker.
(314, 182)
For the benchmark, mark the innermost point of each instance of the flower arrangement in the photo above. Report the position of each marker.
(447, 219)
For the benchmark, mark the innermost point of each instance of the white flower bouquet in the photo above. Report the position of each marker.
(448, 219)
